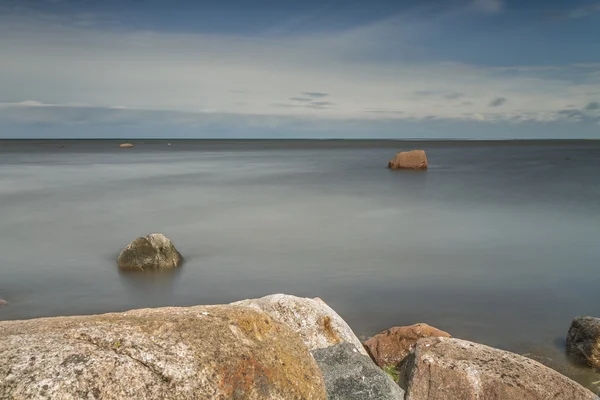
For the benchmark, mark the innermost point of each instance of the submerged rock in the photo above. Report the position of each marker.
(204, 352)
(3, 303)
(316, 323)
(390, 347)
(150, 252)
(414, 159)
(350, 375)
(446, 368)
(126, 145)
(583, 340)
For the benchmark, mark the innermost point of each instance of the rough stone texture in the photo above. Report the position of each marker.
(150, 252)
(205, 352)
(3, 303)
(316, 323)
(446, 368)
(414, 159)
(390, 347)
(583, 341)
(350, 375)
(126, 145)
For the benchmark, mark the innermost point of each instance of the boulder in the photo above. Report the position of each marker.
(350, 375)
(390, 347)
(316, 323)
(583, 341)
(126, 145)
(204, 352)
(414, 159)
(150, 252)
(446, 368)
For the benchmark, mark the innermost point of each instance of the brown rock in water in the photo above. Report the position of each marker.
(414, 159)
(154, 251)
(204, 352)
(390, 347)
(583, 341)
(126, 145)
(446, 368)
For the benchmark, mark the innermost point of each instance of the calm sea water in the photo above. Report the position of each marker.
(498, 242)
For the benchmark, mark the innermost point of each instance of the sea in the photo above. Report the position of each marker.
(498, 242)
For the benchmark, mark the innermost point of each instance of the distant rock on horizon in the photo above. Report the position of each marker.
(414, 159)
(126, 145)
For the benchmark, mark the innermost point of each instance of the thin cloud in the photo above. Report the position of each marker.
(592, 106)
(489, 6)
(498, 101)
(315, 94)
(300, 99)
(323, 103)
(454, 96)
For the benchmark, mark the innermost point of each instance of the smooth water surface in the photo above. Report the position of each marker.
(498, 242)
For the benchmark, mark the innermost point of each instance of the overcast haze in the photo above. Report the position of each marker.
(381, 69)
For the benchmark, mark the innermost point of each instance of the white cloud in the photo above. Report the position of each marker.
(490, 6)
(77, 72)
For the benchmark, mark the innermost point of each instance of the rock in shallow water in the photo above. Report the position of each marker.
(446, 368)
(3, 303)
(318, 325)
(126, 145)
(150, 252)
(390, 347)
(205, 352)
(583, 341)
(350, 375)
(414, 159)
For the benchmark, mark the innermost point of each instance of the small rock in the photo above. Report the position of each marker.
(446, 368)
(414, 159)
(350, 375)
(583, 341)
(317, 324)
(126, 145)
(150, 252)
(3, 303)
(390, 347)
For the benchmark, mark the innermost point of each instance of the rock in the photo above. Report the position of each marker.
(351, 375)
(391, 346)
(3, 303)
(126, 145)
(204, 352)
(446, 368)
(414, 159)
(316, 323)
(150, 252)
(583, 341)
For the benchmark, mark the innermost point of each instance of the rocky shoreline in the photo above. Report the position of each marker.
(276, 347)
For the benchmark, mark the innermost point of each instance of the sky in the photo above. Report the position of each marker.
(467, 69)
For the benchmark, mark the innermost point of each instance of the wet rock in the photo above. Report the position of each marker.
(126, 145)
(351, 375)
(205, 352)
(414, 159)
(583, 341)
(446, 368)
(390, 347)
(150, 252)
(316, 323)
(3, 303)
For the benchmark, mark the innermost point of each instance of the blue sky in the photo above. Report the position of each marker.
(481, 69)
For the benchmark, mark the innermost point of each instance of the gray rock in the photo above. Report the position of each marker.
(583, 341)
(351, 375)
(446, 368)
(206, 352)
(154, 251)
(318, 325)
(3, 303)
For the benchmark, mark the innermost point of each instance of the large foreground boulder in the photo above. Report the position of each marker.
(350, 375)
(446, 368)
(583, 341)
(390, 347)
(316, 323)
(154, 251)
(205, 352)
(414, 159)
